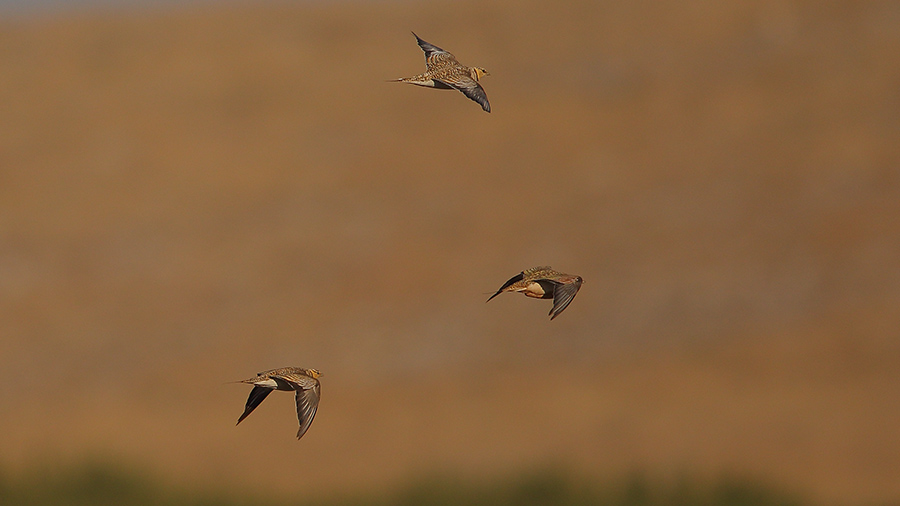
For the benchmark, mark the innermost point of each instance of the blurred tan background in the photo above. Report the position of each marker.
(190, 195)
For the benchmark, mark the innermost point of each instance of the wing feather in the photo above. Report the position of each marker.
(435, 57)
(307, 404)
(562, 296)
(515, 279)
(477, 94)
(470, 88)
(257, 395)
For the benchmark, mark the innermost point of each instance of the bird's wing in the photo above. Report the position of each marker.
(307, 403)
(515, 279)
(562, 296)
(543, 271)
(296, 381)
(257, 395)
(435, 57)
(470, 88)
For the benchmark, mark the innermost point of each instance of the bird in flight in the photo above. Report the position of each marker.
(544, 283)
(305, 382)
(443, 71)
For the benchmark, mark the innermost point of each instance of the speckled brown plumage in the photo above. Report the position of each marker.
(544, 283)
(443, 71)
(305, 382)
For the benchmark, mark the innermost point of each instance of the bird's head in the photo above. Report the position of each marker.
(313, 373)
(478, 73)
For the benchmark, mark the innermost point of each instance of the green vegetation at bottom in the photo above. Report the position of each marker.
(101, 485)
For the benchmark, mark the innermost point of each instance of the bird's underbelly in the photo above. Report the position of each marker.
(268, 382)
(271, 383)
(431, 83)
(534, 290)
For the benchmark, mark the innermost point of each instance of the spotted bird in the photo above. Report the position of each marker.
(443, 71)
(544, 283)
(305, 382)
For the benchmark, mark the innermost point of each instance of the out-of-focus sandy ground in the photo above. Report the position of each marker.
(191, 195)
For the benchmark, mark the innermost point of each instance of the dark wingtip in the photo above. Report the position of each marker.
(492, 296)
(243, 416)
(515, 279)
(553, 312)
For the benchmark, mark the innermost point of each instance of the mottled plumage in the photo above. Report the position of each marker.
(544, 283)
(305, 382)
(443, 71)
